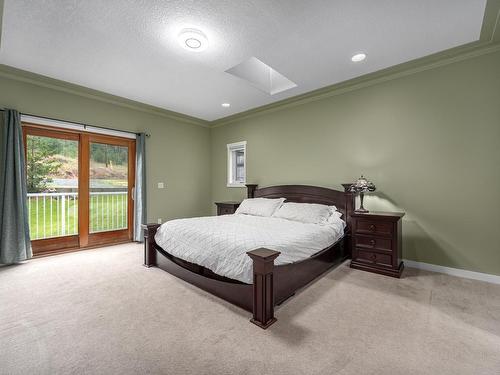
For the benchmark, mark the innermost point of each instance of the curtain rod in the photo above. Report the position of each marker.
(79, 123)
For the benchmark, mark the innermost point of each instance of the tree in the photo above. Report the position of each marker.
(109, 154)
(39, 165)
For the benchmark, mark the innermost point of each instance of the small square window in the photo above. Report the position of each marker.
(236, 164)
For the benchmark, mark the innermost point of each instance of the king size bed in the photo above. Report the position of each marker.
(255, 261)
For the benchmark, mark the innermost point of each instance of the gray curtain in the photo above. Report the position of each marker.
(15, 245)
(140, 186)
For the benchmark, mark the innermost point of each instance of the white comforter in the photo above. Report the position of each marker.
(220, 243)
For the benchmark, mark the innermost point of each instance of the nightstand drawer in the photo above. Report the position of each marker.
(374, 227)
(370, 242)
(225, 210)
(370, 257)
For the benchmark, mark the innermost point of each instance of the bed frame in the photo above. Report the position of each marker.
(272, 285)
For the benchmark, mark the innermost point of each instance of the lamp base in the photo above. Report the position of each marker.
(361, 209)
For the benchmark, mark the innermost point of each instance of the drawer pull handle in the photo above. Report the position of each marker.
(372, 227)
(374, 256)
(372, 242)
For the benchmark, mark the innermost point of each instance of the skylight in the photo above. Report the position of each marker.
(261, 76)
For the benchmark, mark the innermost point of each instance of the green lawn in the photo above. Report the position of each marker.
(107, 212)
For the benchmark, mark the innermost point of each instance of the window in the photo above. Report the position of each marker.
(236, 164)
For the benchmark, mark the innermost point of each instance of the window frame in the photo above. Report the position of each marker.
(231, 163)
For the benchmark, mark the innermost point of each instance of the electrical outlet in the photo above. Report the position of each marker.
(161, 185)
(159, 220)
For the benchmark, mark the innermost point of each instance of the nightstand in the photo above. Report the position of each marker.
(376, 242)
(226, 208)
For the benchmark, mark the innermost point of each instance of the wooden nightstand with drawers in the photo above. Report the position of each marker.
(226, 208)
(376, 242)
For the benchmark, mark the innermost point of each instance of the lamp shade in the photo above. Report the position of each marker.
(362, 185)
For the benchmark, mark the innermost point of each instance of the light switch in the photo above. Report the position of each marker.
(161, 185)
(159, 220)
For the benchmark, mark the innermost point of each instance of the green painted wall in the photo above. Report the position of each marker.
(430, 142)
(177, 153)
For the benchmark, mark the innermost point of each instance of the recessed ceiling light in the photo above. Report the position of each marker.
(226, 105)
(358, 57)
(193, 40)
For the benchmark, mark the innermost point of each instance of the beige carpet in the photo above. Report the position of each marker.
(101, 312)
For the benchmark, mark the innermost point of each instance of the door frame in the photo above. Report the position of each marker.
(84, 239)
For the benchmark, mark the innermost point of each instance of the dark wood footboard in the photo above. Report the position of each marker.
(271, 284)
(233, 291)
(257, 298)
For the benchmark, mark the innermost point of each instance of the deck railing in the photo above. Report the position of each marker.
(56, 214)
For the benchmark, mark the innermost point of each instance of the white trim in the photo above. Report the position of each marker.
(236, 145)
(230, 148)
(75, 126)
(489, 278)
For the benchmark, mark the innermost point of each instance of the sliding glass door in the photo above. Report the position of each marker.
(52, 179)
(111, 180)
(79, 188)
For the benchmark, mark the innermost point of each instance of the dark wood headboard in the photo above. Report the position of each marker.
(343, 200)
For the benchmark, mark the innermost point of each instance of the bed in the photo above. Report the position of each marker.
(211, 252)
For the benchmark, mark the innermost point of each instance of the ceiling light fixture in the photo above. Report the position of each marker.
(358, 57)
(226, 105)
(193, 40)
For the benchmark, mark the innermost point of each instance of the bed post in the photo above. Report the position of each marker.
(251, 190)
(149, 241)
(263, 288)
(349, 210)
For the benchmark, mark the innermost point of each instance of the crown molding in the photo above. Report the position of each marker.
(434, 61)
(51, 83)
(489, 42)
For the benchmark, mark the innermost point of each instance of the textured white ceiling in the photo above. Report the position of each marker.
(129, 47)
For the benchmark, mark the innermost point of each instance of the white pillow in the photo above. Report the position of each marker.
(334, 217)
(259, 206)
(305, 212)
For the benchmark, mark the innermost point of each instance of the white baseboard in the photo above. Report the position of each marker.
(489, 278)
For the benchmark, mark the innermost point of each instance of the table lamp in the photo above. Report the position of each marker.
(362, 186)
